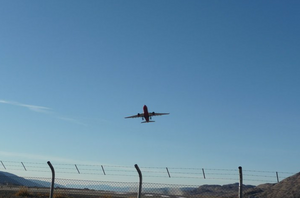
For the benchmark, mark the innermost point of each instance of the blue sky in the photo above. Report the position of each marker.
(227, 71)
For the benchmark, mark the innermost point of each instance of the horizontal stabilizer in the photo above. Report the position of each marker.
(147, 122)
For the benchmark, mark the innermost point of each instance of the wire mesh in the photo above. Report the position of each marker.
(70, 188)
(11, 185)
(158, 173)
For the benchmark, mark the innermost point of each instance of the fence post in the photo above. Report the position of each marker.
(241, 183)
(140, 183)
(3, 165)
(203, 173)
(77, 169)
(53, 177)
(24, 166)
(168, 172)
(277, 177)
(103, 170)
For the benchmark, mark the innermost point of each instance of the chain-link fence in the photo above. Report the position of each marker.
(40, 187)
(70, 188)
(12, 185)
(192, 176)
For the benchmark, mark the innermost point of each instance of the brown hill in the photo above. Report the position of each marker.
(287, 188)
(220, 191)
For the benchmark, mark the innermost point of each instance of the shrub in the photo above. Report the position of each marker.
(60, 195)
(23, 191)
(107, 196)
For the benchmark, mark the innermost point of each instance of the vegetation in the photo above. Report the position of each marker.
(60, 195)
(23, 192)
(107, 196)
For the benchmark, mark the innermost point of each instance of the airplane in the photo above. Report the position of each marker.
(146, 115)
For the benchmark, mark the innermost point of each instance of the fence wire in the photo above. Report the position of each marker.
(12, 185)
(70, 188)
(250, 176)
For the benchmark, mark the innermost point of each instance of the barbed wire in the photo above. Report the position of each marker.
(159, 172)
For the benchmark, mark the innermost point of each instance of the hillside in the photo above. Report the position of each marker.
(229, 190)
(14, 180)
(287, 188)
(11, 179)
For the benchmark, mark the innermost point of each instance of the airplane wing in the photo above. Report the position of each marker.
(139, 115)
(157, 114)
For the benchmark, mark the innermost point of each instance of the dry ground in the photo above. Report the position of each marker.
(14, 192)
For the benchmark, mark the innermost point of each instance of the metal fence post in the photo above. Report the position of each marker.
(23, 166)
(241, 183)
(203, 173)
(168, 172)
(103, 170)
(53, 177)
(3, 165)
(140, 183)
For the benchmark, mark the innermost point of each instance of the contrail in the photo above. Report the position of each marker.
(30, 107)
(41, 109)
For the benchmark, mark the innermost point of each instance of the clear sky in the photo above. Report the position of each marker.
(228, 72)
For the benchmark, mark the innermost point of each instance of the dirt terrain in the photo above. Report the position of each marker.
(17, 192)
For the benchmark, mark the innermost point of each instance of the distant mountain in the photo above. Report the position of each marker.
(287, 188)
(11, 179)
(220, 190)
